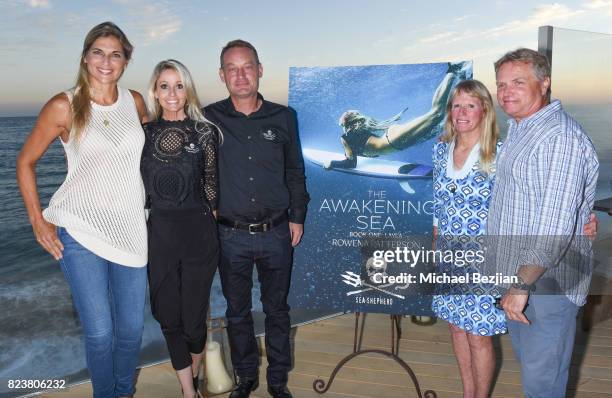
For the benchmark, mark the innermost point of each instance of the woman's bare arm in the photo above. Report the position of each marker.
(54, 121)
(141, 107)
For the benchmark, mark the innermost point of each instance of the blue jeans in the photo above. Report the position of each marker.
(544, 347)
(109, 299)
(272, 254)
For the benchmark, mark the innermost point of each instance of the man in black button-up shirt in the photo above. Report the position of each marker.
(262, 207)
(261, 164)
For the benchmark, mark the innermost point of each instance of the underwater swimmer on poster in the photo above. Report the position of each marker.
(365, 136)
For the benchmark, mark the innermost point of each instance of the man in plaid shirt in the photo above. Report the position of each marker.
(545, 187)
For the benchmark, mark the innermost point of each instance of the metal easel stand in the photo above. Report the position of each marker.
(321, 387)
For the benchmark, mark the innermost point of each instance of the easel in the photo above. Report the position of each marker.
(321, 387)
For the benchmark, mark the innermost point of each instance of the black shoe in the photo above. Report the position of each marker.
(244, 387)
(279, 391)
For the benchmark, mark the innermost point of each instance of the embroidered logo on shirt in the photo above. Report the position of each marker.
(269, 135)
(192, 148)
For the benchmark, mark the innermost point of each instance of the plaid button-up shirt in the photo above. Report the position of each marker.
(545, 187)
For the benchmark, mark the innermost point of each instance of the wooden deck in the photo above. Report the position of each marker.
(320, 346)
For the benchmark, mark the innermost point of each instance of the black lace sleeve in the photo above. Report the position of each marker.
(210, 174)
(144, 163)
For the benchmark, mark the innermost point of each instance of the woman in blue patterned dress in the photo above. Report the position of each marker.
(464, 173)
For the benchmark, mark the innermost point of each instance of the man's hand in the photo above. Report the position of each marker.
(513, 303)
(590, 228)
(297, 230)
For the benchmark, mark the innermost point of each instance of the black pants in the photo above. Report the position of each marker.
(272, 253)
(183, 257)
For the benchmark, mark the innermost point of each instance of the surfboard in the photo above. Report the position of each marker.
(371, 167)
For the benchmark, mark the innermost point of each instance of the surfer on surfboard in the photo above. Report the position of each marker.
(365, 136)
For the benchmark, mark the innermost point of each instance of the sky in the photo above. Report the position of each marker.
(40, 40)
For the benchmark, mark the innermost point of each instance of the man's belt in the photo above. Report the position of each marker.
(253, 227)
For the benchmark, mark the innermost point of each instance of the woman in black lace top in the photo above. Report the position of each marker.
(179, 170)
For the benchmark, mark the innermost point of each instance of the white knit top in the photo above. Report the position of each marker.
(101, 202)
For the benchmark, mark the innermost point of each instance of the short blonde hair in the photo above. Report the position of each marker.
(539, 62)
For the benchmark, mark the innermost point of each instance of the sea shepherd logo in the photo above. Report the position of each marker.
(269, 133)
(352, 279)
(376, 273)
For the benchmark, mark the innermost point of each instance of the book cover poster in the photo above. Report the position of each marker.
(367, 134)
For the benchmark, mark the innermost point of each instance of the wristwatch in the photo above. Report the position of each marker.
(522, 285)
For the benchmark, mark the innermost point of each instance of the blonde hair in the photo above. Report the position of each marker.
(489, 131)
(81, 102)
(539, 62)
(192, 103)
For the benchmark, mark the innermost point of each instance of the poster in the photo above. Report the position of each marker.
(367, 134)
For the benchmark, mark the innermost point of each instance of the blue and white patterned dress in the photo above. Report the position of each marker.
(461, 204)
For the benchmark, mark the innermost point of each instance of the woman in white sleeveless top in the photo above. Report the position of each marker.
(95, 222)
